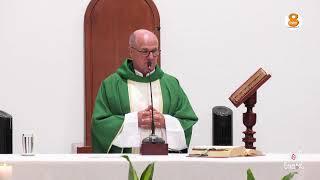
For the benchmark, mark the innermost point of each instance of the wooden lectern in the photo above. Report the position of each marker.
(247, 94)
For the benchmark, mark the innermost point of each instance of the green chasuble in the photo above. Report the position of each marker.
(112, 103)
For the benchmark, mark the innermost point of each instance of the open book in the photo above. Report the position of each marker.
(223, 151)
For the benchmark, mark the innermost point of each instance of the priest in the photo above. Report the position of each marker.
(122, 112)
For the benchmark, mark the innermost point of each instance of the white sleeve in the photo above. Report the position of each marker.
(175, 134)
(128, 135)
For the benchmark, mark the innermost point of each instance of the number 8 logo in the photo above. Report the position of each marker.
(293, 20)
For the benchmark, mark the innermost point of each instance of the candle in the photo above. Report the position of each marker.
(5, 172)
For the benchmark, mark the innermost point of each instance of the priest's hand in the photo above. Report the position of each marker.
(159, 119)
(145, 118)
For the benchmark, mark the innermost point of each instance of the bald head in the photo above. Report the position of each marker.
(140, 36)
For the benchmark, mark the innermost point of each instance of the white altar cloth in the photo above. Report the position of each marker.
(171, 167)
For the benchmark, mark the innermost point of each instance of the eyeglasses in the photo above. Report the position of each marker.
(145, 52)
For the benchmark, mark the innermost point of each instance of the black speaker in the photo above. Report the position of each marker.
(221, 126)
(5, 133)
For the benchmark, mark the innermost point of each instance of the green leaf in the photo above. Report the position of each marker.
(250, 175)
(289, 176)
(148, 172)
(132, 173)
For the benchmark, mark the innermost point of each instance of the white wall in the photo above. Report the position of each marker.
(41, 60)
(210, 46)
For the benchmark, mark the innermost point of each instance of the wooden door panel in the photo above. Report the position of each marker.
(107, 27)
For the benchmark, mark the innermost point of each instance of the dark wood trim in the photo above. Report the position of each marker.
(156, 18)
(88, 70)
(85, 149)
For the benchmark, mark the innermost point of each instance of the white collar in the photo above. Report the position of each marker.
(140, 74)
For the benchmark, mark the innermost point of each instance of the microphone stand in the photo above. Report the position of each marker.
(153, 138)
(153, 144)
(152, 117)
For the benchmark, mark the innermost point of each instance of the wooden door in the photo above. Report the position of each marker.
(107, 27)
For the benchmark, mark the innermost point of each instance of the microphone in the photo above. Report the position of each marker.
(149, 63)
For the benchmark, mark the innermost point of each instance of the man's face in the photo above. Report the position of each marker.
(146, 49)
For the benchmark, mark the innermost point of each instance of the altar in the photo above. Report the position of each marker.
(173, 167)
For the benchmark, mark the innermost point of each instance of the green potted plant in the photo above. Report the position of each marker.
(146, 175)
(148, 172)
(289, 176)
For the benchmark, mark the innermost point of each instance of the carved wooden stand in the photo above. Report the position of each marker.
(249, 120)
